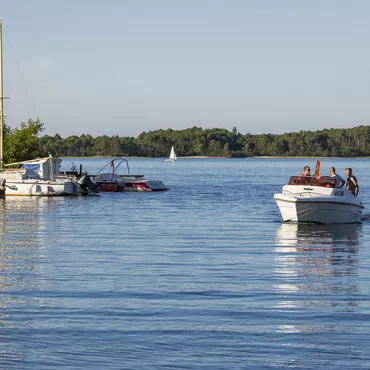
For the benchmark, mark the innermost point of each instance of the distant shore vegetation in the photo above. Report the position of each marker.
(195, 141)
(217, 142)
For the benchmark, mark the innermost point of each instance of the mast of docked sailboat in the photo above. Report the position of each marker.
(1, 98)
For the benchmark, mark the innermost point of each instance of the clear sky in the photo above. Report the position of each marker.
(127, 66)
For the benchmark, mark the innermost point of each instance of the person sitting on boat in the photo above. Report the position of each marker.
(352, 183)
(339, 182)
(306, 171)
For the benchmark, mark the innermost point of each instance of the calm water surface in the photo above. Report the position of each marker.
(204, 276)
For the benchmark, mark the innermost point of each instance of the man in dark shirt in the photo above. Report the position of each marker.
(352, 183)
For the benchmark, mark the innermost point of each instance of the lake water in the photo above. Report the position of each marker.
(204, 276)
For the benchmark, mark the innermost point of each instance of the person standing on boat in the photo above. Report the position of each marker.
(2, 189)
(306, 171)
(339, 180)
(352, 183)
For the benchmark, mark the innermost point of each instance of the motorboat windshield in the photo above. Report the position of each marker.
(325, 181)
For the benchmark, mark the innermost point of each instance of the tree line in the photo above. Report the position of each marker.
(25, 143)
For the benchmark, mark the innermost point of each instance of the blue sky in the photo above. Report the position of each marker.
(122, 67)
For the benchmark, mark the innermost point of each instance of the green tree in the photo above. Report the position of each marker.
(22, 143)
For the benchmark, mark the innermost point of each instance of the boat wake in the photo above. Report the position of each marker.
(365, 217)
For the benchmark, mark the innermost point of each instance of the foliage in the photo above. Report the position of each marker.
(22, 143)
(217, 142)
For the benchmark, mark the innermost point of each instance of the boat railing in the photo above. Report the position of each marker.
(114, 164)
(22, 170)
(65, 177)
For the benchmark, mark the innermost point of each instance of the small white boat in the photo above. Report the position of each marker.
(172, 157)
(317, 200)
(38, 177)
(111, 181)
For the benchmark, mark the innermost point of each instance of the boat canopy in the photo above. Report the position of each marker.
(46, 168)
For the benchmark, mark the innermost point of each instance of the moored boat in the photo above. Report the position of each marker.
(38, 177)
(112, 181)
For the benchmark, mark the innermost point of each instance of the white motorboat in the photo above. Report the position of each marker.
(172, 157)
(317, 200)
(112, 181)
(39, 177)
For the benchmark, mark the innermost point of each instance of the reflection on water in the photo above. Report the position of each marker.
(109, 282)
(22, 226)
(312, 234)
(315, 265)
(22, 233)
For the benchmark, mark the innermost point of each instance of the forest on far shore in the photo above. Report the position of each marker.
(26, 143)
(216, 142)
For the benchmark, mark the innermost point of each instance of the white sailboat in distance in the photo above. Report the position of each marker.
(172, 157)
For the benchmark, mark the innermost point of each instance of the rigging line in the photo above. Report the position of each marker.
(20, 73)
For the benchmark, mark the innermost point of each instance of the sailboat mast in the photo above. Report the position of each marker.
(1, 97)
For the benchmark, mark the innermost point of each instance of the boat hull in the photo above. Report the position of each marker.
(41, 188)
(132, 186)
(323, 211)
(142, 185)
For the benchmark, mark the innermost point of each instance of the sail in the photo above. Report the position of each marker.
(173, 154)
